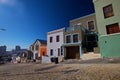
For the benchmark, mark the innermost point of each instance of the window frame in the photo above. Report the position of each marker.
(36, 47)
(51, 52)
(112, 27)
(58, 38)
(66, 38)
(61, 49)
(73, 37)
(106, 11)
(59, 52)
(32, 48)
(93, 23)
(51, 39)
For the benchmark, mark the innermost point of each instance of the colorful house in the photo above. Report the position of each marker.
(39, 49)
(80, 37)
(89, 32)
(54, 44)
(72, 43)
(108, 23)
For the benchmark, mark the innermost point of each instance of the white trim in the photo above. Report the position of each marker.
(94, 24)
(109, 34)
(94, 0)
(82, 17)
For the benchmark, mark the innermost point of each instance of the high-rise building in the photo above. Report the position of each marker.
(17, 48)
(3, 49)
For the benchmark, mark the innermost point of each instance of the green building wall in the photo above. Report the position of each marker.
(101, 21)
(109, 44)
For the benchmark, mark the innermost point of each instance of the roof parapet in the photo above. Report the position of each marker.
(94, 0)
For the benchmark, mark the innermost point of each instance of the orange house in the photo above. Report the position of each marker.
(43, 51)
(39, 49)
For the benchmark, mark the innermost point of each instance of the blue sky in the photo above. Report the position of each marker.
(28, 20)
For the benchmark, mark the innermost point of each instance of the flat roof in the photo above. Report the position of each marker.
(82, 17)
(55, 31)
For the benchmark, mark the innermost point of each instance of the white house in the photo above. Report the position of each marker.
(54, 43)
(38, 48)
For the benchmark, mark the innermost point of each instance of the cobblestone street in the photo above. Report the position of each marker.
(68, 70)
(36, 71)
(90, 67)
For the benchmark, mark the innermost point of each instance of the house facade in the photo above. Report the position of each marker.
(107, 15)
(54, 43)
(39, 49)
(108, 23)
(72, 43)
(88, 33)
(88, 21)
(81, 37)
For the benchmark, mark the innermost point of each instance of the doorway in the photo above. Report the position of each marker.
(72, 52)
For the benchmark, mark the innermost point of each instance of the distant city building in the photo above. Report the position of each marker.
(3, 49)
(17, 48)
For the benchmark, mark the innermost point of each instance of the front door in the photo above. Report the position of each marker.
(72, 52)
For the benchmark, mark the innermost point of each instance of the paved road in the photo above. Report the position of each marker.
(93, 69)
(32, 71)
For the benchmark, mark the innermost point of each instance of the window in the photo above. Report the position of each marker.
(91, 25)
(61, 51)
(51, 52)
(37, 47)
(43, 53)
(75, 38)
(32, 47)
(57, 38)
(51, 38)
(68, 39)
(108, 11)
(58, 51)
(113, 28)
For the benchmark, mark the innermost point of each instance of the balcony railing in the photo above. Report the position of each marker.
(68, 29)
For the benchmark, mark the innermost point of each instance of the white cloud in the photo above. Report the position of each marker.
(14, 5)
(8, 2)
